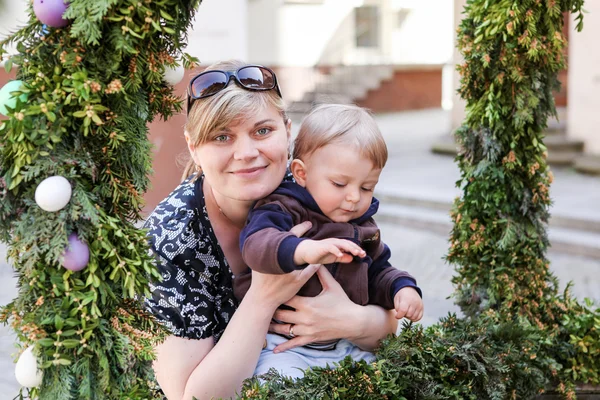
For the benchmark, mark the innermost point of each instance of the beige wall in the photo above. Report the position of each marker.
(583, 112)
(211, 39)
(263, 29)
(421, 31)
(411, 32)
(458, 104)
(12, 17)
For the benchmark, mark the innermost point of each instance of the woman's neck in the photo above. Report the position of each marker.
(231, 211)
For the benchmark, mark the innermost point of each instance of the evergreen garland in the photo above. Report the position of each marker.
(94, 85)
(91, 88)
(519, 336)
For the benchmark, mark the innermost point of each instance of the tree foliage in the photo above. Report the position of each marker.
(91, 88)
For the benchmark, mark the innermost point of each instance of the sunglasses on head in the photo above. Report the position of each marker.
(250, 77)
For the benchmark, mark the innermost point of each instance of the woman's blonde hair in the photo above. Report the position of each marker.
(341, 123)
(229, 106)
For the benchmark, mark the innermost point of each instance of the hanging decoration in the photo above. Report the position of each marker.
(7, 99)
(76, 255)
(174, 75)
(53, 193)
(50, 12)
(26, 371)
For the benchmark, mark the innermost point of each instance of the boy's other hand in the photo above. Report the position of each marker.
(408, 304)
(326, 251)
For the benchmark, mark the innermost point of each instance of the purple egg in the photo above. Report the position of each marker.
(76, 255)
(50, 12)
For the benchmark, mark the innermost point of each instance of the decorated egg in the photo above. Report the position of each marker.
(53, 193)
(76, 255)
(26, 370)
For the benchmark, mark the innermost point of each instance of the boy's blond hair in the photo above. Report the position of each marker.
(341, 123)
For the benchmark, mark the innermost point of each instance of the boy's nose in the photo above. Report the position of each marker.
(353, 196)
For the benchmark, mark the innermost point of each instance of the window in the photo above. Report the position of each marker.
(366, 22)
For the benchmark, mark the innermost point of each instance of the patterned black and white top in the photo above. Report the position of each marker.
(195, 299)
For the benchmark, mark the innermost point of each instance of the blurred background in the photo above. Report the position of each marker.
(397, 58)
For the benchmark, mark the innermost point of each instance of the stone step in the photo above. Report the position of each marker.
(587, 164)
(562, 151)
(563, 240)
(557, 220)
(561, 142)
(351, 90)
(320, 98)
(445, 145)
(344, 73)
(343, 85)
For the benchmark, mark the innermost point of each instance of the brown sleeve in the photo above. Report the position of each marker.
(261, 249)
(266, 243)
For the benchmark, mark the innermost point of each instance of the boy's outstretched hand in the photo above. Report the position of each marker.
(408, 304)
(326, 251)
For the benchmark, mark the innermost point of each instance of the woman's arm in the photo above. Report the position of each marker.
(332, 315)
(197, 368)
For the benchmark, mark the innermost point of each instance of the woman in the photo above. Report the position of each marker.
(238, 136)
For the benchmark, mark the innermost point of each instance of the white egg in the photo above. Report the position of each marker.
(27, 371)
(174, 75)
(53, 193)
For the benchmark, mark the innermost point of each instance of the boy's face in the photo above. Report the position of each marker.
(340, 180)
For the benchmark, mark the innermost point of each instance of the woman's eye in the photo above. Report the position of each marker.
(221, 138)
(263, 131)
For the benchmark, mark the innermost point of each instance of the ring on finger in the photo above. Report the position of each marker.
(291, 332)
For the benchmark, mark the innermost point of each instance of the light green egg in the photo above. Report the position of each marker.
(6, 99)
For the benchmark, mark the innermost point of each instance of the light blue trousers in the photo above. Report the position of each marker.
(293, 362)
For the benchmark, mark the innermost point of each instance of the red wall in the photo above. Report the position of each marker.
(409, 89)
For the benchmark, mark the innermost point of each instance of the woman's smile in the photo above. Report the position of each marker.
(249, 173)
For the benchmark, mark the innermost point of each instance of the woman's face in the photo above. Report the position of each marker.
(247, 160)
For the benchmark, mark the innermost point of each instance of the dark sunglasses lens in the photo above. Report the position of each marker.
(256, 78)
(208, 84)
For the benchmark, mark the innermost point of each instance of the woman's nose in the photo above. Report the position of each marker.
(245, 148)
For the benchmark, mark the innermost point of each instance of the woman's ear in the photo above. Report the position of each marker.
(191, 147)
(298, 169)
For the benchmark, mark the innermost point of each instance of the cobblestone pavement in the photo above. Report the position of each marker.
(416, 251)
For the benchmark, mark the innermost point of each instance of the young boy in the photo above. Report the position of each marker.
(338, 156)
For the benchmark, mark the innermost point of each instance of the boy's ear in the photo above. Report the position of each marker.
(298, 169)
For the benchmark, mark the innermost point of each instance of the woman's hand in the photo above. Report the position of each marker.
(332, 315)
(271, 290)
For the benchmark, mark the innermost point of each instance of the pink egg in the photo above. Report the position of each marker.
(76, 255)
(50, 12)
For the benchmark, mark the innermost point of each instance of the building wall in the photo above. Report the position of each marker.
(414, 32)
(263, 27)
(422, 31)
(411, 88)
(583, 118)
(219, 31)
(12, 16)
